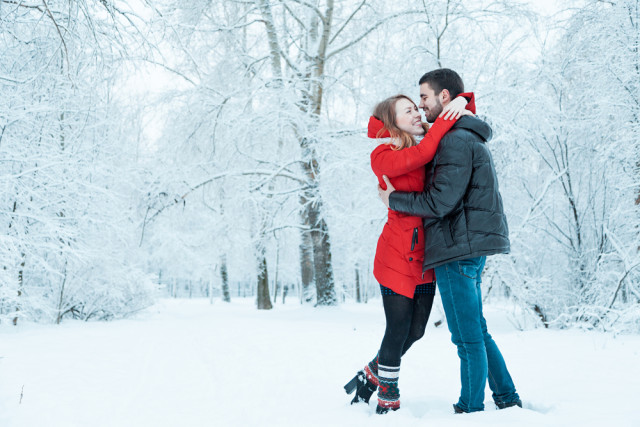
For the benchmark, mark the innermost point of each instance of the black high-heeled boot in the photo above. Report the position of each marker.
(364, 388)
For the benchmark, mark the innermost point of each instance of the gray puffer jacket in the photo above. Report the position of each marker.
(461, 206)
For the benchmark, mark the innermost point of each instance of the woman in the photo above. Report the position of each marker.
(407, 291)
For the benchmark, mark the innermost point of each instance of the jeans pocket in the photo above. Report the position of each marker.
(469, 268)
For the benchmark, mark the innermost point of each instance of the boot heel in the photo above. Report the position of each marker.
(351, 385)
(363, 393)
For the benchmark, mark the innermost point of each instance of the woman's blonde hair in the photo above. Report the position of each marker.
(385, 111)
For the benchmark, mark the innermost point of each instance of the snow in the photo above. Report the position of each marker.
(189, 363)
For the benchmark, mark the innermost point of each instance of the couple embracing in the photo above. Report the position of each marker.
(443, 221)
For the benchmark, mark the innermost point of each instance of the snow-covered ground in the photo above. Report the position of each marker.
(189, 363)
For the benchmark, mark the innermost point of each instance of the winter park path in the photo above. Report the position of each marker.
(188, 363)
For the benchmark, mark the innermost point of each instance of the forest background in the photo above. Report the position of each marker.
(218, 148)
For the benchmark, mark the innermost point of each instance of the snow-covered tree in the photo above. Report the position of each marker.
(67, 160)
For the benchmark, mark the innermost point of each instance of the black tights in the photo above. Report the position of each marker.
(406, 321)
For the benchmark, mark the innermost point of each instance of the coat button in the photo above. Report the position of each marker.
(410, 259)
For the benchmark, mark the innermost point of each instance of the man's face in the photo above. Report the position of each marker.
(431, 103)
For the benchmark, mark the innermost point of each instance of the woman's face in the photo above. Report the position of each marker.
(408, 117)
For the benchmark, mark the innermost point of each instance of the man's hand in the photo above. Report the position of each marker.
(384, 194)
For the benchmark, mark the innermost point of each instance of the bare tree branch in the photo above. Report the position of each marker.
(369, 31)
(64, 43)
(342, 27)
(318, 12)
(224, 175)
(21, 4)
(294, 16)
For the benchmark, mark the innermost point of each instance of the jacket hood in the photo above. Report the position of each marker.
(375, 126)
(475, 125)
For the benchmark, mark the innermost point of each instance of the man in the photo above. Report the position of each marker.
(464, 222)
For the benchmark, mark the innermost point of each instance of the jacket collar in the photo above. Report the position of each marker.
(475, 125)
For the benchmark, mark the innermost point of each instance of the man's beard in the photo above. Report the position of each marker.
(433, 114)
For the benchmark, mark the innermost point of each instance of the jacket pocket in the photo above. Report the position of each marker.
(414, 238)
(454, 228)
(415, 256)
(447, 235)
(414, 260)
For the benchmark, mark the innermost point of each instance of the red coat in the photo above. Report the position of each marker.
(400, 250)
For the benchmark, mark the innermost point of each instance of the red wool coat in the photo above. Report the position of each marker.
(400, 251)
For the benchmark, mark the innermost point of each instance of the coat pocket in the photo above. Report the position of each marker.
(414, 260)
(414, 238)
(454, 228)
(447, 235)
(415, 255)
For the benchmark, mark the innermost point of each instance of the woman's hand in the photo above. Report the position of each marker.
(456, 109)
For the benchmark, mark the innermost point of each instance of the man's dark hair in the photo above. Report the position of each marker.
(444, 78)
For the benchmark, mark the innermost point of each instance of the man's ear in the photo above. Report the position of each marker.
(445, 96)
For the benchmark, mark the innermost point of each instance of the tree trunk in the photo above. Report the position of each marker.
(226, 296)
(312, 211)
(358, 297)
(323, 271)
(365, 290)
(636, 54)
(264, 299)
(210, 290)
(20, 285)
(306, 257)
(315, 247)
(275, 276)
(61, 296)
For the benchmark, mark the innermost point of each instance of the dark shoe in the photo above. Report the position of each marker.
(458, 410)
(502, 405)
(382, 410)
(364, 388)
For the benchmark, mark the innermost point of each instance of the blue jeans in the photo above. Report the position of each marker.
(480, 358)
